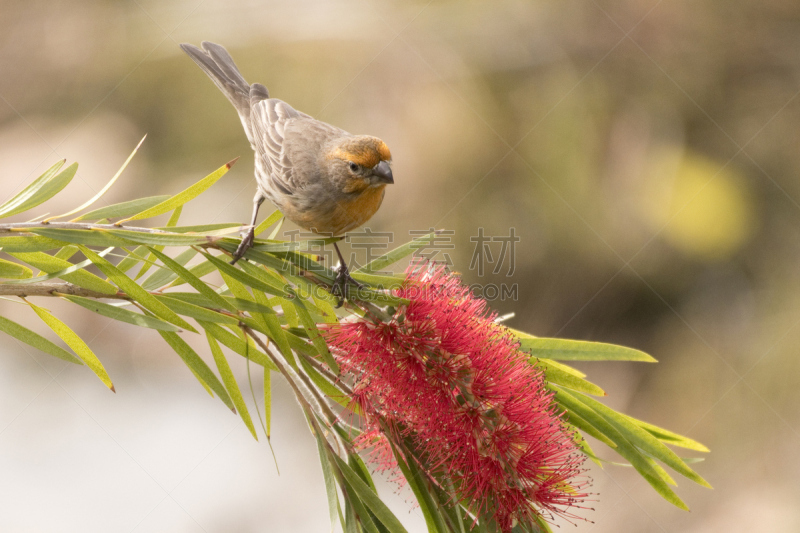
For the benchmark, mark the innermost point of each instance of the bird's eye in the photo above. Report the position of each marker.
(354, 167)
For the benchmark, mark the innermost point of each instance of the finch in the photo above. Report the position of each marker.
(320, 177)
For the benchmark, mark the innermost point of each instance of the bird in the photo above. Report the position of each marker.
(319, 176)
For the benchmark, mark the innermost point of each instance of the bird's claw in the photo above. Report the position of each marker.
(247, 242)
(343, 279)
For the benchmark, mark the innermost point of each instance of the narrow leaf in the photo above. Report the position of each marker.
(315, 336)
(370, 498)
(184, 196)
(624, 447)
(176, 266)
(330, 483)
(104, 189)
(267, 222)
(669, 437)
(162, 239)
(132, 289)
(239, 346)
(198, 367)
(53, 265)
(9, 270)
(571, 350)
(58, 274)
(75, 343)
(247, 279)
(13, 243)
(643, 439)
(268, 400)
(121, 314)
(223, 228)
(415, 479)
(554, 374)
(198, 313)
(122, 209)
(42, 189)
(376, 265)
(167, 273)
(133, 258)
(92, 237)
(31, 338)
(229, 380)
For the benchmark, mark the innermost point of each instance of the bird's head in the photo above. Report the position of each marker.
(361, 162)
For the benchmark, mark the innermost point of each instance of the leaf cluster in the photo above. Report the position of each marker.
(269, 309)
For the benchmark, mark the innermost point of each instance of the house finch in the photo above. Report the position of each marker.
(321, 177)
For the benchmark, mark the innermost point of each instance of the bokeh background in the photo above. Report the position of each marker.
(645, 152)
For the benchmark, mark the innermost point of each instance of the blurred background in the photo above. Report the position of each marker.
(643, 153)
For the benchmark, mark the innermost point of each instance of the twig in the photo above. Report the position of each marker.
(55, 288)
(20, 227)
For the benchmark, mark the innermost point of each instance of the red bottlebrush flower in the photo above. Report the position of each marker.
(444, 376)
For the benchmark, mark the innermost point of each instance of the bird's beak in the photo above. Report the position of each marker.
(383, 172)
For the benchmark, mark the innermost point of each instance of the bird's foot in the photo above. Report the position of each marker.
(247, 242)
(343, 279)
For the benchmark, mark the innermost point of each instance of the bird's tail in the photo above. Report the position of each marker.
(218, 64)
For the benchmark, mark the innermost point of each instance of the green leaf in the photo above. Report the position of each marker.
(230, 383)
(554, 374)
(268, 400)
(198, 367)
(643, 439)
(9, 270)
(132, 259)
(312, 246)
(184, 196)
(198, 313)
(104, 189)
(566, 368)
(59, 274)
(75, 343)
(273, 327)
(380, 282)
(166, 274)
(237, 303)
(42, 189)
(122, 209)
(66, 253)
(92, 237)
(315, 336)
(668, 436)
(31, 338)
(267, 222)
(571, 350)
(624, 447)
(214, 229)
(176, 266)
(121, 314)
(199, 270)
(163, 239)
(239, 346)
(52, 265)
(13, 243)
(370, 498)
(151, 259)
(397, 254)
(586, 427)
(415, 478)
(326, 387)
(247, 279)
(330, 483)
(132, 289)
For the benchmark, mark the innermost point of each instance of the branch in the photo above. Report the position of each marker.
(55, 288)
(18, 227)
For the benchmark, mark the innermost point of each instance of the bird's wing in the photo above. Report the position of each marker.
(269, 119)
